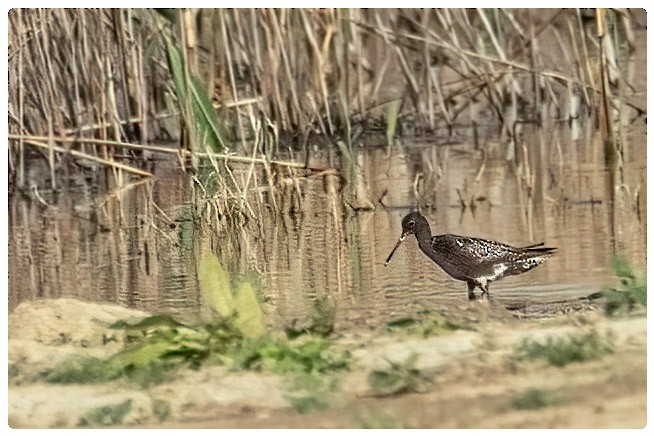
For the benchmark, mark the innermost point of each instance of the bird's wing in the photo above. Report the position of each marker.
(480, 255)
(485, 256)
(473, 250)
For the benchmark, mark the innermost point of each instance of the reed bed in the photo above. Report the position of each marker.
(243, 94)
(258, 83)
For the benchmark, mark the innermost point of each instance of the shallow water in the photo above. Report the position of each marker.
(137, 245)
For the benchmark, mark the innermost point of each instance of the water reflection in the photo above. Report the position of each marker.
(137, 245)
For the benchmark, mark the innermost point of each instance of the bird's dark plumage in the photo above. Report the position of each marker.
(472, 260)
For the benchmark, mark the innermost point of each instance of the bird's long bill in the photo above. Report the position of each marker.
(399, 241)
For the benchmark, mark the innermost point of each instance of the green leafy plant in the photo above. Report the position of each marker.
(310, 355)
(236, 303)
(161, 345)
(629, 294)
(161, 348)
(236, 338)
(165, 344)
(560, 351)
(194, 103)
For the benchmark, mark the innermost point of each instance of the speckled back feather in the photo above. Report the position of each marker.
(474, 257)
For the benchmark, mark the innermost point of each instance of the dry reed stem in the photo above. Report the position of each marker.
(118, 191)
(318, 68)
(394, 37)
(230, 70)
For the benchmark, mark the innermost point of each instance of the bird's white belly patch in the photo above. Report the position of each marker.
(498, 271)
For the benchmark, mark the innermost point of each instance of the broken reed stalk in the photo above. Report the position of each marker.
(158, 149)
(245, 159)
(153, 148)
(112, 164)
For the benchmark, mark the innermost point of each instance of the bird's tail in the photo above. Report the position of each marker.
(530, 257)
(539, 248)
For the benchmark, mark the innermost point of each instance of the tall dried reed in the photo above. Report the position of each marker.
(120, 74)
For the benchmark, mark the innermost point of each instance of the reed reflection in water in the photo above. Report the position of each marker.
(137, 245)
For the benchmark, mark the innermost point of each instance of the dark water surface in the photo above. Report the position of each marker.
(137, 244)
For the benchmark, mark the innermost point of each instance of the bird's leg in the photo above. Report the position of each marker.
(484, 290)
(471, 290)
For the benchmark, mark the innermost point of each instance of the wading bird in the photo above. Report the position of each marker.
(474, 261)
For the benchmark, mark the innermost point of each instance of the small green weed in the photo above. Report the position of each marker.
(560, 351)
(311, 356)
(81, 370)
(532, 399)
(426, 324)
(150, 357)
(398, 379)
(630, 293)
(321, 321)
(380, 420)
(308, 403)
(161, 409)
(310, 392)
(107, 415)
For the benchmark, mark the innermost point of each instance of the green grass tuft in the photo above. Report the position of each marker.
(532, 399)
(560, 351)
(107, 415)
(311, 356)
(399, 378)
(161, 409)
(380, 420)
(629, 294)
(425, 324)
(310, 392)
(321, 322)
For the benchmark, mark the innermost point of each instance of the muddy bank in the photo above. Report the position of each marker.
(461, 378)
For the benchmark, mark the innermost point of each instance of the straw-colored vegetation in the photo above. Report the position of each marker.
(247, 94)
(255, 81)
